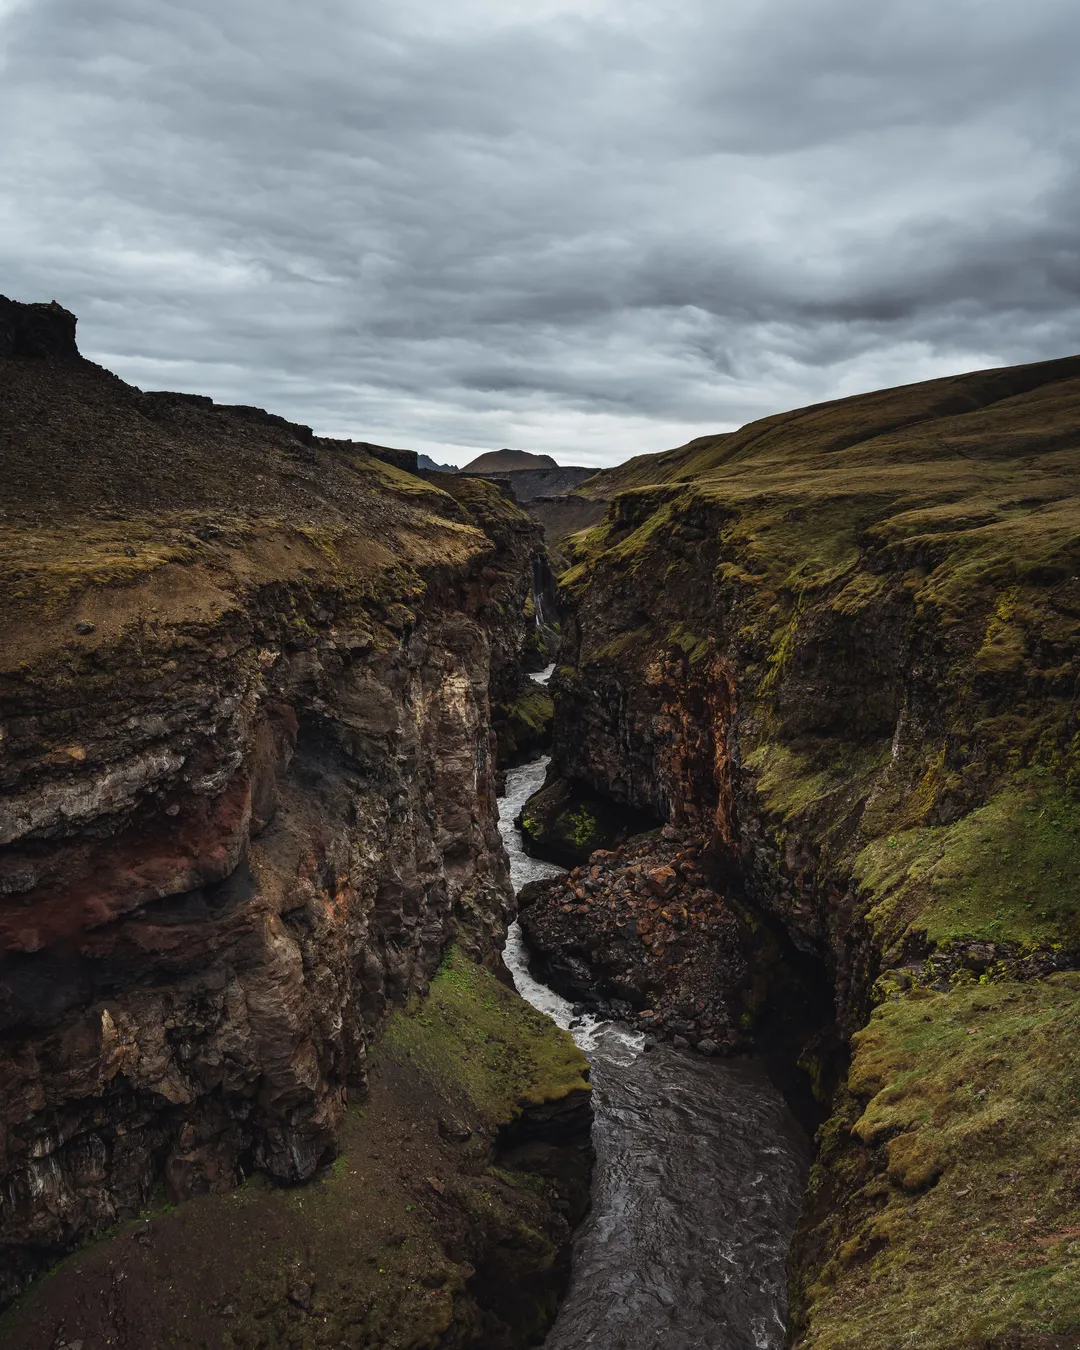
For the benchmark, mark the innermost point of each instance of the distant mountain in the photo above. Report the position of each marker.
(507, 461)
(426, 462)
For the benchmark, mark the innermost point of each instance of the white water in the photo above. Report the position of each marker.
(618, 1042)
(699, 1171)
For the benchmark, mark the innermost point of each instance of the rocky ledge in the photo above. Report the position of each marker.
(444, 1220)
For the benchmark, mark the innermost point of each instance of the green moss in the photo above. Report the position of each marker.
(858, 594)
(1005, 872)
(525, 724)
(782, 651)
(581, 827)
(401, 481)
(969, 1218)
(892, 579)
(694, 647)
(534, 710)
(654, 529)
(790, 782)
(370, 1237)
(475, 1038)
(565, 824)
(621, 646)
(785, 780)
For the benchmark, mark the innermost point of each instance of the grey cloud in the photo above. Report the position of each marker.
(588, 229)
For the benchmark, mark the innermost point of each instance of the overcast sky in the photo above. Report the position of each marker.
(582, 227)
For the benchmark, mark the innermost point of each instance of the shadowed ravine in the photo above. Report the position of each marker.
(699, 1171)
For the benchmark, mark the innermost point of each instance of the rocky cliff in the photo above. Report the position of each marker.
(527, 485)
(838, 653)
(247, 768)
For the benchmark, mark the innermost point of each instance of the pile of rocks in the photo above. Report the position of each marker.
(640, 934)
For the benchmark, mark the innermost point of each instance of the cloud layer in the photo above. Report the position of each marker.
(588, 229)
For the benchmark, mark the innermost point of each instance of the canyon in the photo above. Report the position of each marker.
(814, 754)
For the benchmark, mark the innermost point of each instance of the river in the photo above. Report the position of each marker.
(700, 1167)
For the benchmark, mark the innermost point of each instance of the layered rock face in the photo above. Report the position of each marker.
(444, 1220)
(247, 770)
(840, 650)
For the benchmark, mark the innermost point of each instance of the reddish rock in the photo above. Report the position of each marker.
(246, 781)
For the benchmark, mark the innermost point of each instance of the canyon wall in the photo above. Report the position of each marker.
(838, 652)
(247, 766)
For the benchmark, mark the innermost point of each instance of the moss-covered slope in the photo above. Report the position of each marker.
(956, 1210)
(844, 644)
(433, 1228)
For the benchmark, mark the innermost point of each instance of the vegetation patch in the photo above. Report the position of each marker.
(1005, 872)
(412, 1239)
(566, 825)
(475, 1039)
(893, 583)
(962, 1226)
(525, 724)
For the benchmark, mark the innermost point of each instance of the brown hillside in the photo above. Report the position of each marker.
(508, 461)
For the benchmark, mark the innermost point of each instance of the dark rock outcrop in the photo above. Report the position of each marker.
(529, 484)
(37, 332)
(562, 516)
(566, 824)
(444, 1220)
(247, 777)
(840, 649)
(640, 929)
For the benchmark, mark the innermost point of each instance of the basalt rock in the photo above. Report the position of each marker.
(247, 777)
(639, 929)
(840, 650)
(444, 1221)
(565, 824)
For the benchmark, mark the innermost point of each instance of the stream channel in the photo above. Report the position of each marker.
(700, 1168)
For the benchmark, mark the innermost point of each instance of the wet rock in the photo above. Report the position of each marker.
(707, 1046)
(531, 892)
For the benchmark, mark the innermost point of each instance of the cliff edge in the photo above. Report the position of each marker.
(838, 652)
(246, 792)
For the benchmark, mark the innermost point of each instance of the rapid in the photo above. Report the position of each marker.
(700, 1167)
